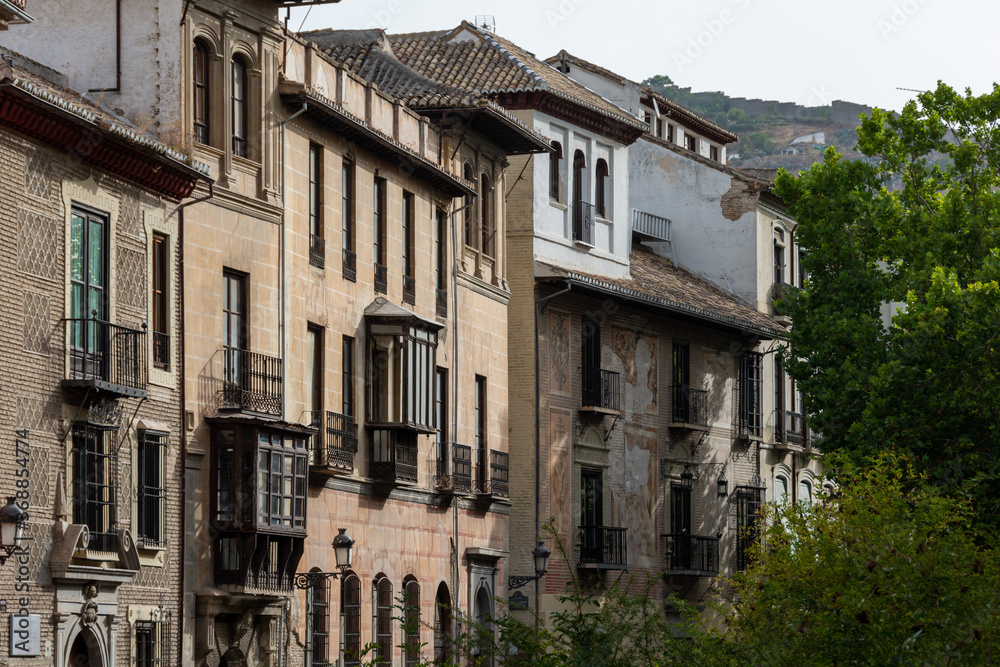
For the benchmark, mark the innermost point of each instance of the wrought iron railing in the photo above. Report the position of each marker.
(409, 290)
(461, 463)
(493, 479)
(239, 146)
(790, 427)
(691, 554)
(393, 456)
(106, 353)
(583, 222)
(601, 388)
(690, 406)
(317, 250)
(337, 441)
(161, 349)
(242, 565)
(381, 278)
(603, 546)
(201, 132)
(251, 381)
(442, 302)
(350, 265)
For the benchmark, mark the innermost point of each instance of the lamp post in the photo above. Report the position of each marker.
(12, 520)
(343, 549)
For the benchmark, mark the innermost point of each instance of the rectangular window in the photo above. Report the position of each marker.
(482, 453)
(441, 263)
(314, 370)
(281, 480)
(379, 235)
(690, 143)
(151, 494)
(320, 623)
(680, 509)
(234, 327)
(670, 133)
(750, 396)
(317, 247)
(681, 382)
(383, 612)
(779, 402)
(409, 251)
(161, 309)
(239, 108)
(659, 127)
(591, 516)
(88, 294)
(95, 473)
(748, 502)
(590, 360)
(347, 377)
(347, 220)
(713, 153)
(201, 97)
(441, 417)
(350, 612)
(153, 647)
(401, 363)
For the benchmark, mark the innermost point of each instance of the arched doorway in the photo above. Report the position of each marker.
(85, 651)
(442, 624)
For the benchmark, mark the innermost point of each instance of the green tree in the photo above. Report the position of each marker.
(886, 572)
(924, 383)
(756, 144)
(660, 83)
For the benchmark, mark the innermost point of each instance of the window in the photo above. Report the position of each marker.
(442, 624)
(382, 615)
(350, 611)
(659, 127)
(314, 370)
(95, 473)
(281, 480)
(591, 515)
(680, 524)
(347, 377)
(239, 104)
(713, 153)
(670, 133)
(590, 360)
(601, 190)
(470, 236)
(161, 310)
(780, 489)
(751, 386)
(441, 419)
(409, 251)
(88, 296)
(681, 387)
(441, 263)
(583, 212)
(779, 255)
(690, 142)
(379, 235)
(347, 220)
(779, 402)
(319, 622)
(201, 64)
(411, 621)
(748, 502)
(482, 454)
(805, 492)
(555, 172)
(486, 222)
(150, 494)
(234, 327)
(401, 362)
(153, 647)
(317, 248)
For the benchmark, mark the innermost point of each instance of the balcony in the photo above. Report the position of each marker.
(603, 548)
(350, 266)
(106, 356)
(252, 382)
(460, 480)
(336, 443)
(601, 391)
(317, 251)
(690, 408)
(161, 349)
(409, 290)
(780, 290)
(255, 564)
(691, 555)
(790, 428)
(493, 480)
(650, 226)
(583, 222)
(442, 302)
(393, 456)
(381, 278)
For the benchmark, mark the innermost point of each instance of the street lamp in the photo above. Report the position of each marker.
(541, 555)
(12, 520)
(723, 485)
(343, 549)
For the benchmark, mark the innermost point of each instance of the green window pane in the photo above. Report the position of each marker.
(96, 254)
(76, 247)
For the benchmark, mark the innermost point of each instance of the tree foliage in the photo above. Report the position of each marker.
(924, 383)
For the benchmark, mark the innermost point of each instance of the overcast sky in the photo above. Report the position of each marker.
(805, 51)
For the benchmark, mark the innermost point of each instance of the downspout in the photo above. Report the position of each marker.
(454, 408)
(281, 253)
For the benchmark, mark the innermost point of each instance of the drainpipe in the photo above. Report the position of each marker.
(454, 409)
(281, 253)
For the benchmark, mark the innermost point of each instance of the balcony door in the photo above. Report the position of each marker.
(88, 292)
(590, 357)
(680, 525)
(234, 326)
(592, 515)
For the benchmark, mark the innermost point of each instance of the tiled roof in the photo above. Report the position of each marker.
(655, 280)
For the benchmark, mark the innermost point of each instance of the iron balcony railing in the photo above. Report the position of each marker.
(601, 388)
(603, 547)
(409, 290)
(381, 278)
(393, 455)
(337, 441)
(461, 463)
(690, 406)
(251, 382)
(317, 250)
(350, 265)
(790, 428)
(107, 356)
(493, 479)
(695, 555)
(201, 132)
(583, 222)
(239, 146)
(161, 349)
(650, 225)
(442, 302)
(250, 562)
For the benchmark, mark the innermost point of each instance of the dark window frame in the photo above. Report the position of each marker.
(555, 172)
(161, 300)
(239, 104)
(95, 474)
(347, 376)
(202, 91)
(487, 217)
(382, 617)
(151, 493)
(319, 621)
(350, 610)
(411, 621)
(603, 179)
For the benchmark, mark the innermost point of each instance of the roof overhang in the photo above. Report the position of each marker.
(684, 117)
(112, 148)
(507, 133)
(332, 115)
(12, 11)
(589, 118)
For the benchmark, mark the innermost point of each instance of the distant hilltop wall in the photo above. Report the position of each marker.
(838, 112)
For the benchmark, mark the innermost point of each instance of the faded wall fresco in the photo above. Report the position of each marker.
(720, 371)
(638, 354)
(634, 505)
(559, 368)
(560, 471)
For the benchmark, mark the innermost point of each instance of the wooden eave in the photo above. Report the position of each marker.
(693, 123)
(566, 110)
(509, 137)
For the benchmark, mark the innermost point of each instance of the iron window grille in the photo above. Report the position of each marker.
(350, 610)
(319, 623)
(95, 472)
(750, 394)
(153, 640)
(382, 618)
(151, 495)
(749, 500)
(411, 622)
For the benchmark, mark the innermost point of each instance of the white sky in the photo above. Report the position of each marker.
(805, 51)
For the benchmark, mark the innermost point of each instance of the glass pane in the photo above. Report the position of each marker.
(76, 248)
(95, 253)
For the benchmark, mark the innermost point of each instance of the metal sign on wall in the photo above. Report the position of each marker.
(25, 635)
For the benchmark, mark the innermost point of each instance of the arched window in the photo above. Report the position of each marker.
(442, 624)
(470, 237)
(239, 102)
(382, 603)
(319, 621)
(583, 212)
(411, 620)
(200, 65)
(805, 492)
(350, 610)
(779, 255)
(555, 171)
(780, 489)
(601, 190)
(486, 214)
